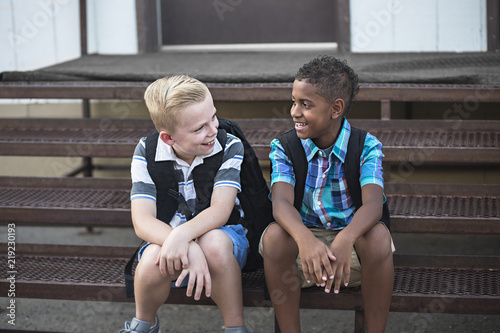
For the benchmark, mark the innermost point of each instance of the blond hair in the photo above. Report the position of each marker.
(167, 97)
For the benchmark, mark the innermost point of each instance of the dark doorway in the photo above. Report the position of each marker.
(253, 21)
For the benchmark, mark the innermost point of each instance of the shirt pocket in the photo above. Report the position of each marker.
(340, 194)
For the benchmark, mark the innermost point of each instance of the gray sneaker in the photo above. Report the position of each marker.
(141, 326)
(237, 330)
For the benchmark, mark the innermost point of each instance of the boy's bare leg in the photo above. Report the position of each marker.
(226, 276)
(377, 276)
(150, 287)
(280, 252)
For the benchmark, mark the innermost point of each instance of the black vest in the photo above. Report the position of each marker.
(167, 187)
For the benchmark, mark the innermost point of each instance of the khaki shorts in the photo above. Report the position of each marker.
(327, 237)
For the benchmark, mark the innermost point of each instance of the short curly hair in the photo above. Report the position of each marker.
(332, 77)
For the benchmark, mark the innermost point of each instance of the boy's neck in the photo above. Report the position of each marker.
(187, 158)
(324, 142)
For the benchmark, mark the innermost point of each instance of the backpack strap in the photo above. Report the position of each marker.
(351, 164)
(129, 276)
(352, 169)
(163, 175)
(294, 150)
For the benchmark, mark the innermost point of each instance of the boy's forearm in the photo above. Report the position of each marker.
(367, 216)
(205, 221)
(152, 230)
(285, 213)
(290, 220)
(213, 217)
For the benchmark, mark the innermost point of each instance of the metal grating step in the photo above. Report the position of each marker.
(465, 142)
(445, 206)
(64, 198)
(409, 280)
(442, 208)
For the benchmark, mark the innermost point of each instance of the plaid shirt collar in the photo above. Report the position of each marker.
(339, 148)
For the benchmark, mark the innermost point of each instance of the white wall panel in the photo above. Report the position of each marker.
(418, 26)
(115, 26)
(372, 27)
(461, 32)
(39, 33)
(67, 31)
(7, 39)
(34, 32)
(415, 28)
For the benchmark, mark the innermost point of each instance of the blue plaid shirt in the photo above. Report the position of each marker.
(327, 203)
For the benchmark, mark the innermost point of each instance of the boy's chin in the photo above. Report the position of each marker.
(302, 135)
(207, 150)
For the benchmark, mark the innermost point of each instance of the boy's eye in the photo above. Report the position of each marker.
(199, 128)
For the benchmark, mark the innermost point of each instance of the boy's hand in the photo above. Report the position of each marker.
(198, 273)
(342, 248)
(173, 255)
(316, 258)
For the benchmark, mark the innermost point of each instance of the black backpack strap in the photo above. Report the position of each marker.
(351, 164)
(204, 175)
(352, 170)
(163, 175)
(129, 276)
(294, 150)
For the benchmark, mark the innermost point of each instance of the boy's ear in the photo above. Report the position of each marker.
(167, 138)
(337, 108)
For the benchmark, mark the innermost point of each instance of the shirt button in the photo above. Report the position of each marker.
(323, 176)
(319, 203)
(328, 224)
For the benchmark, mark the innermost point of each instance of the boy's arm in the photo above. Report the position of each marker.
(146, 225)
(368, 215)
(314, 254)
(143, 196)
(175, 248)
(365, 218)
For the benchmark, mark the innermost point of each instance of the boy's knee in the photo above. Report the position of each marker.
(277, 243)
(147, 271)
(376, 244)
(216, 246)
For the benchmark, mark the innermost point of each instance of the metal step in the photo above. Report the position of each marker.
(435, 208)
(412, 141)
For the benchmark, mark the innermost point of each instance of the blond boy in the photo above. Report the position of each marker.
(186, 245)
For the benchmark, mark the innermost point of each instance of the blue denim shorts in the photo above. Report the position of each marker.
(237, 234)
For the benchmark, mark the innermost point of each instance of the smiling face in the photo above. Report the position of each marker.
(196, 131)
(314, 117)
